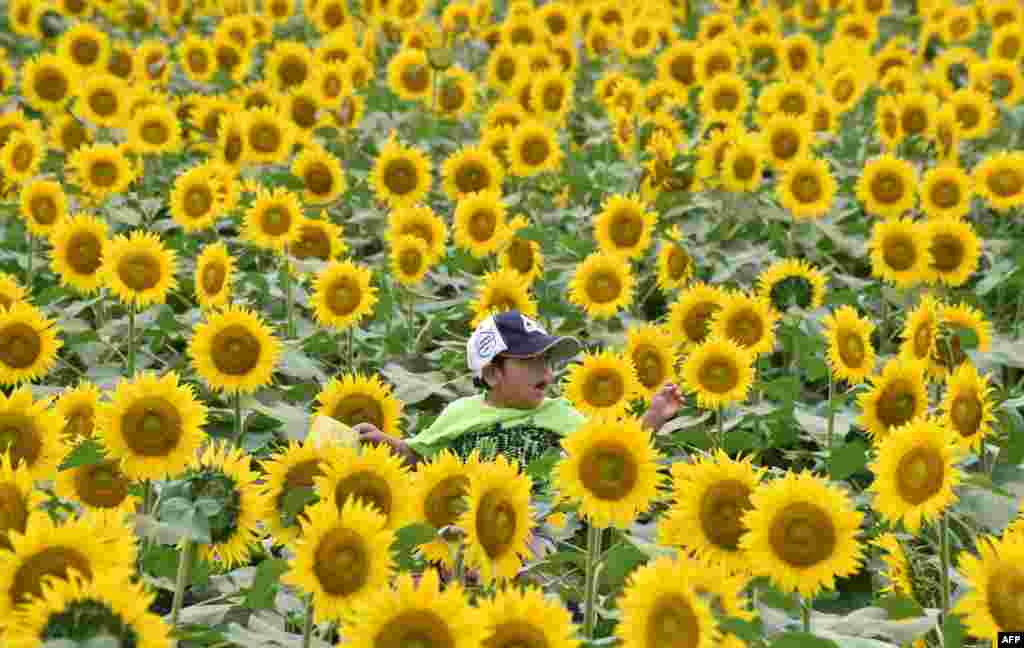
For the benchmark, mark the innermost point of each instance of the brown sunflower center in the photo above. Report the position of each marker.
(604, 287)
(276, 220)
(923, 340)
(553, 97)
(897, 403)
(604, 388)
(415, 78)
(417, 628)
(945, 194)
(20, 345)
(23, 155)
(101, 485)
(52, 561)
(359, 408)
(1009, 47)
(84, 253)
(235, 351)
(1006, 595)
(609, 471)
(697, 320)
(213, 277)
(103, 173)
(626, 228)
(444, 503)
(650, 368)
(155, 133)
(13, 512)
(79, 423)
(887, 188)
(104, 102)
(785, 144)
(520, 255)
(482, 224)
(516, 634)
(198, 61)
(43, 210)
(899, 252)
(73, 135)
(745, 327)
(452, 96)
(919, 474)
(966, 414)
(806, 188)
(341, 562)
(535, 150)
(914, 120)
(401, 177)
(743, 167)
(725, 99)
(318, 179)
(293, 71)
(367, 486)
(51, 84)
(19, 439)
(802, 535)
(233, 147)
(304, 112)
(852, 351)
(313, 242)
(496, 523)
(968, 115)
(198, 201)
(678, 262)
(682, 69)
(152, 427)
(140, 272)
(344, 296)
(1006, 182)
(120, 64)
(719, 375)
(410, 261)
(673, 623)
(265, 137)
(947, 252)
(471, 177)
(721, 512)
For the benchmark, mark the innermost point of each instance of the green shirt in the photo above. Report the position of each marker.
(522, 435)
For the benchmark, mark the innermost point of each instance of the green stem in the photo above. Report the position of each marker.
(944, 555)
(184, 571)
(883, 324)
(131, 340)
(831, 409)
(805, 613)
(288, 304)
(31, 259)
(720, 420)
(239, 430)
(411, 316)
(307, 627)
(351, 344)
(590, 584)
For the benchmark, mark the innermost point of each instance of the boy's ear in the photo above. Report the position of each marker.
(490, 375)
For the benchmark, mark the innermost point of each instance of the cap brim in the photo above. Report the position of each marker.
(562, 348)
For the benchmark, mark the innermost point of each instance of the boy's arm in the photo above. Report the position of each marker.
(368, 433)
(664, 405)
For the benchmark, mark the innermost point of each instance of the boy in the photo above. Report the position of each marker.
(511, 357)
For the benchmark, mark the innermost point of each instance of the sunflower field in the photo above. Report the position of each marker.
(231, 225)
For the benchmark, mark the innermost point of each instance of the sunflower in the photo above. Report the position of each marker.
(269, 137)
(611, 469)
(355, 399)
(138, 268)
(917, 113)
(49, 552)
(915, 473)
(504, 66)
(1008, 42)
(900, 252)
(743, 164)
(18, 499)
(234, 350)
(624, 226)
(373, 475)
(151, 62)
(107, 606)
(101, 170)
(215, 273)
(690, 315)
(223, 473)
(802, 533)
(974, 112)
(99, 486)
(711, 497)
(439, 491)
(955, 319)
(886, 186)
(341, 556)
(154, 129)
(551, 95)
(289, 473)
(920, 330)
(896, 397)
(22, 156)
(516, 616)
(288, 64)
(44, 206)
(521, 255)
(534, 148)
(410, 259)
(675, 265)
(652, 350)
(68, 134)
(196, 56)
(410, 75)
(47, 83)
(480, 223)
(747, 320)
(416, 611)
(497, 522)
(995, 576)
(28, 344)
(420, 222)
(946, 192)
(967, 406)
(602, 285)
(660, 607)
(78, 407)
(719, 372)
(999, 179)
(469, 170)
(898, 574)
(678, 65)
(322, 176)
(955, 250)
(795, 97)
(501, 291)
(102, 100)
(792, 282)
(343, 295)
(10, 291)
(401, 174)
(301, 107)
(197, 198)
(319, 239)
(786, 139)
(273, 220)
(807, 188)
(456, 94)
(851, 355)
(602, 384)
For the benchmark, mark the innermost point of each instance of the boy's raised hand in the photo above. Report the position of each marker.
(664, 405)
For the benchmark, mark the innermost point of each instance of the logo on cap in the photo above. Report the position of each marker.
(531, 326)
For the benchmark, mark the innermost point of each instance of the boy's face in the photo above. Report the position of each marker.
(520, 383)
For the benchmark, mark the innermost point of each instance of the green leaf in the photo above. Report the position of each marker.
(900, 607)
(619, 562)
(540, 468)
(953, 632)
(264, 587)
(407, 539)
(749, 631)
(967, 338)
(186, 517)
(88, 452)
(802, 640)
(847, 459)
(295, 501)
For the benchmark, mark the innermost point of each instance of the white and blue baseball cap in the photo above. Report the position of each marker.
(515, 336)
